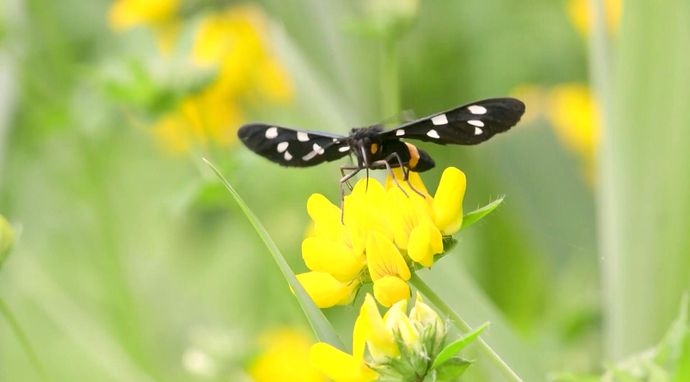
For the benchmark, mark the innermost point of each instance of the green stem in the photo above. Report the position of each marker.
(390, 82)
(22, 338)
(464, 327)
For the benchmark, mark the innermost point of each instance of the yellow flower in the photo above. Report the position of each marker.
(384, 232)
(580, 14)
(285, 358)
(377, 340)
(158, 14)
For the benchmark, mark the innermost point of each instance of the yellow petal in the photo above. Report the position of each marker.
(321, 210)
(326, 218)
(448, 200)
(365, 209)
(338, 365)
(390, 289)
(326, 290)
(405, 213)
(425, 242)
(384, 259)
(414, 178)
(396, 321)
(333, 257)
(370, 329)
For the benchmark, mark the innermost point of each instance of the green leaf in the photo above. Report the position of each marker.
(452, 369)
(455, 347)
(478, 214)
(322, 328)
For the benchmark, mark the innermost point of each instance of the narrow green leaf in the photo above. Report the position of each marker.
(456, 346)
(452, 369)
(478, 214)
(23, 339)
(322, 328)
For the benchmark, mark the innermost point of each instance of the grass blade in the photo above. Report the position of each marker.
(322, 328)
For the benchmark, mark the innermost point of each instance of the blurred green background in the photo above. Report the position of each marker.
(130, 259)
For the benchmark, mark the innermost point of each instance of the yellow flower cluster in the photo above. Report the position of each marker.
(382, 337)
(384, 232)
(233, 43)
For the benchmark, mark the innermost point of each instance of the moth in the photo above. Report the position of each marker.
(373, 147)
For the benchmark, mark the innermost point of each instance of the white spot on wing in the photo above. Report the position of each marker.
(400, 133)
(271, 132)
(282, 146)
(439, 120)
(287, 155)
(478, 131)
(302, 136)
(476, 122)
(309, 156)
(433, 134)
(476, 109)
(335, 140)
(344, 149)
(318, 149)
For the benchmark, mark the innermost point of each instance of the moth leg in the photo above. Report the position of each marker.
(390, 171)
(366, 184)
(405, 171)
(342, 174)
(344, 180)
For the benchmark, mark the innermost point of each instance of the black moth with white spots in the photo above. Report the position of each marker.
(376, 148)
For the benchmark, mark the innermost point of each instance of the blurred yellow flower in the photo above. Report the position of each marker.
(234, 44)
(160, 15)
(574, 114)
(7, 236)
(384, 233)
(580, 13)
(377, 340)
(285, 358)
